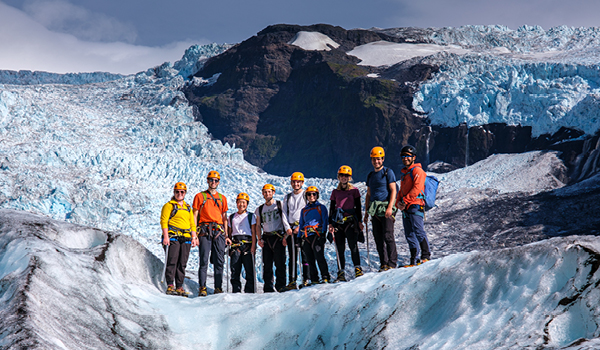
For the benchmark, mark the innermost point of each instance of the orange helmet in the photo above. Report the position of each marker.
(346, 170)
(297, 176)
(180, 186)
(269, 187)
(377, 152)
(213, 174)
(311, 189)
(243, 196)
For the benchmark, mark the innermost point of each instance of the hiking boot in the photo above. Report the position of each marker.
(324, 281)
(306, 283)
(282, 289)
(181, 292)
(218, 291)
(358, 271)
(202, 292)
(384, 268)
(341, 277)
(290, 286)
(422, 261)
(171, 290)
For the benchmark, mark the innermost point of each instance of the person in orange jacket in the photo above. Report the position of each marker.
(411, 203)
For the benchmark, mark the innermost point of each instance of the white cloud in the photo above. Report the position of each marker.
(63, 17)
(28, 45)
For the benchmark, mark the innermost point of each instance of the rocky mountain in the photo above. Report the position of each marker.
(291, 107)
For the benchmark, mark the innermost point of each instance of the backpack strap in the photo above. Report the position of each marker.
(260, 209)
(250, 215)
(279, 209)
(287, 203)
(176, 209)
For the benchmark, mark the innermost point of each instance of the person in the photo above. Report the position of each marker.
(411, 203)
(210, 212)
(380, 204)
(292, 207)
(269, 233)
(178, 237)
(345, 221)
(313, 228)
(241, 232)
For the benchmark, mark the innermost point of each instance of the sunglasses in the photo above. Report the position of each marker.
(343, 175)
(213, 180)
(310, 194)
(407, 156)
(179, 191)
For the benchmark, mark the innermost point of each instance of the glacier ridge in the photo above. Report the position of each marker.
(529, 77)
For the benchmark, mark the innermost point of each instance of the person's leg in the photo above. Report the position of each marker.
(184, 253)
(319, 250)
(218, 258)
(171, 262)
(307, 246)
(378, 236)
(279, 259)
(203, 254)
(246, 258)
(267, 266)
(236, 270)
(390, 242)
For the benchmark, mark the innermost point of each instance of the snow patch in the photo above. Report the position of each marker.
(313, 41)
(385, 53)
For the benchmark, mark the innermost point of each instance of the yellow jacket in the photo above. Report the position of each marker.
(183, 218)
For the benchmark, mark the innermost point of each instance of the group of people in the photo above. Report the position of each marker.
(299, 223)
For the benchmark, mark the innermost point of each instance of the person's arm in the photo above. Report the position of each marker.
(258, 230)
(226, 228)
(284, 217)
(390, 207)
(324, 217)
(358, 211)
(253, 230)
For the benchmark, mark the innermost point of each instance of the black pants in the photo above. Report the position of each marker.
(179, 252)
(314, 248)
(383, 233)
(215, 249)
(273, 252)
(293, 251)
(347, 231)
(242, 257)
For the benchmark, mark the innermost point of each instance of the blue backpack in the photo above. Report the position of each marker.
(430, 191)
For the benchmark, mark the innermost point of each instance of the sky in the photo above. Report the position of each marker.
(128, 36)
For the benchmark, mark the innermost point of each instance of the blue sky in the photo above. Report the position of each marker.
(127, 36)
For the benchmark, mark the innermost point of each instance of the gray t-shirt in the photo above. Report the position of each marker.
(270, 219)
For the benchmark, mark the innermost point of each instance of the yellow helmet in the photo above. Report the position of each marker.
(377, 152)
(180, 186)
(346, 170)
(297, 176)
(311, 189)
(269, 187)
(213, 174)
(244, 196)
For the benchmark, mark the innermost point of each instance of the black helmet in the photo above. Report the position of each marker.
(409, 149)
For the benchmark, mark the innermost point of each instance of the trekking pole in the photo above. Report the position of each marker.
(255, 278)
(337, 253)
(162, 279)
(227, 252)
(367, 239)
(294, 271)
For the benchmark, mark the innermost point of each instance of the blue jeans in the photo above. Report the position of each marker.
(414, 230)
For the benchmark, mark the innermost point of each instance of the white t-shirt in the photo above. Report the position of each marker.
(292, 208)
(271, 220)
(240, 225)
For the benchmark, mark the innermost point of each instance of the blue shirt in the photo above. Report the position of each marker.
(379, 184)
(313, 214)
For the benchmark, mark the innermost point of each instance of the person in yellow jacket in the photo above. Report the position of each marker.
(178, 237)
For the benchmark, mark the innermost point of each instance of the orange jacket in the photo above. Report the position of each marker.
(409, 189)
(211, 211)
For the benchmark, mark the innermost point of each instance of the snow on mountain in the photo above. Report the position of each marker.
(385, 53)
(69, 286)
(530, 77)
(313, 41)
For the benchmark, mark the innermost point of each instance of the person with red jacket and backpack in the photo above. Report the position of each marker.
(411, 203)
(210, 212)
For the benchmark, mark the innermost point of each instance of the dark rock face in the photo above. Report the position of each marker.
(312, 111)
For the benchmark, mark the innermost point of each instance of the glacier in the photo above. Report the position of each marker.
(74, 287)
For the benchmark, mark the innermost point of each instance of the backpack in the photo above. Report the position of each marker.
(250, 215)
(429, 192)
(279, 210)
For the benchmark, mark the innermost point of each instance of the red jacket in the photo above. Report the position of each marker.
(409, 189)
